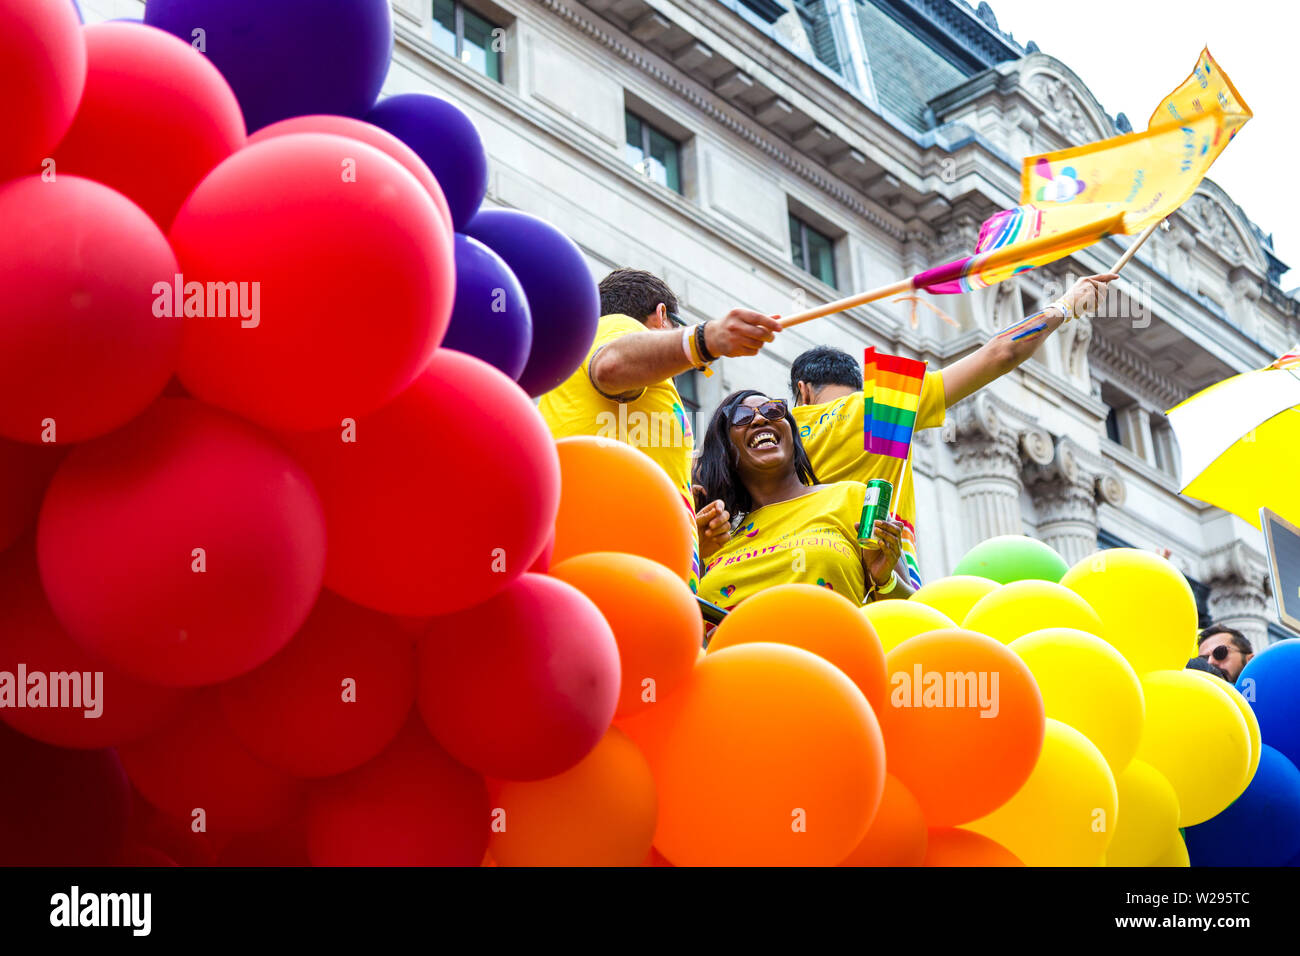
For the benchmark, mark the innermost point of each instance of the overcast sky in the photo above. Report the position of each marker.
(1131, 53)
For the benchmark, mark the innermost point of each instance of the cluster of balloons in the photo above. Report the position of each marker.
(292, 571)
(271, 482)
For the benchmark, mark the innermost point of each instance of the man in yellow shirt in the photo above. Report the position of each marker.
(827, 388)
(624, 388)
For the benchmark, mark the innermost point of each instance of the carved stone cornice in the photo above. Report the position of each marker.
(692, 94)
(1127, 366)
(1235, 562)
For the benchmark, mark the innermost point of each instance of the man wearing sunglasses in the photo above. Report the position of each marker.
(624, 389)
(1225, 648)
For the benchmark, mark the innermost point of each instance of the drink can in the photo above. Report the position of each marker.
(875, 507)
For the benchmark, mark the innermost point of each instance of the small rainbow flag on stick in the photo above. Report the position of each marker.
(891, 393)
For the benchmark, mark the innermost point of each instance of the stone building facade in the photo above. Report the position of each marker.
(780, 153)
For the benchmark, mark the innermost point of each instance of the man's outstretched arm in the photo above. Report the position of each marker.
(641, 359)
(1008, 348)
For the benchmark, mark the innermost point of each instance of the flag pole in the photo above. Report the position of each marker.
(1143, 236)
(839, 305)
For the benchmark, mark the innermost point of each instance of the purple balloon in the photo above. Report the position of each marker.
(289, 57)
(562, 296)
(445, 138)
(490, 318)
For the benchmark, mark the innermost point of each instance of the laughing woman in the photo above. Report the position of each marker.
(790, 529)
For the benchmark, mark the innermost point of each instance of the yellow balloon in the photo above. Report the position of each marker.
(1148, 813)
(1195, 737)
(1174, 854)
(1017, 608)
(1065, 813)
(955, 595)
(1144, 602)
(896, 621)
(1248, 712)
(1088, 685)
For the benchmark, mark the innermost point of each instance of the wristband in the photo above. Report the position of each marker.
(1065, 308)
(887, 588)
(702, 346)
(686, 346)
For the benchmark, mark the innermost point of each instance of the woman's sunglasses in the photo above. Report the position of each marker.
(772, 411)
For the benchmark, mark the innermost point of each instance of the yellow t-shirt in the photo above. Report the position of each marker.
(762, 551)
(832, 436)
(654, 421)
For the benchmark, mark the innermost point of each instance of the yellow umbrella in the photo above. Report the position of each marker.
(1239, 441)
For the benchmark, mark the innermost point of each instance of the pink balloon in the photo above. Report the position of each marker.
(81, 350)
(25, 470)
(97, 705)
(367, 133)
(155, 118)
(523, 686)
(343, 271)
(409, 534)
(185, 549)
(413, 805)
(196, 763)
(350, 673)
(42, 73)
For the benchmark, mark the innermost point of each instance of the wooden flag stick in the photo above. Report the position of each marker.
(1143, 236)
(839, 305)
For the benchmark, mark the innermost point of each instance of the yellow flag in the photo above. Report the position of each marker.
(1149, 174)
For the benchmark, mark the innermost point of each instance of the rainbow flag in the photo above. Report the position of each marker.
(909, 553)
(891, 394)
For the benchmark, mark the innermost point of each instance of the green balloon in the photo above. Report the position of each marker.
(1013, 557)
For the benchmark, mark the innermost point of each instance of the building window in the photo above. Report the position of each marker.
(813, 251)
(688, 387)
(1112, 426)
(653, 153)
(468, 37)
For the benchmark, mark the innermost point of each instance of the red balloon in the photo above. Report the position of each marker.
(371, 134)
(344, 273)
(523, 686)
(197, 763)
(185, 549)
(81, 350)
(350, 673)
(413, 805)
(155, 118)
(42, 73)
(25, 470)
(283, 845)
(102, 706)
(171, 836)
(543, 562)
(411, 531)
(60, 807)
(138, 855)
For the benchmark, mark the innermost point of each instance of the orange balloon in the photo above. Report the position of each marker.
(897, 836)
(653, 614)
(957, 847)
(655, 858)
(613, 497)
(768, 756)
(816, 619)
(963, 724)
(600, 812)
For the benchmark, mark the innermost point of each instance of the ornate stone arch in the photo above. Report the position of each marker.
(1068, 105)
(1219, 224)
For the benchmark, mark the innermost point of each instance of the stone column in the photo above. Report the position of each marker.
(1065, 495)
(987, 453)
(1239, 595)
